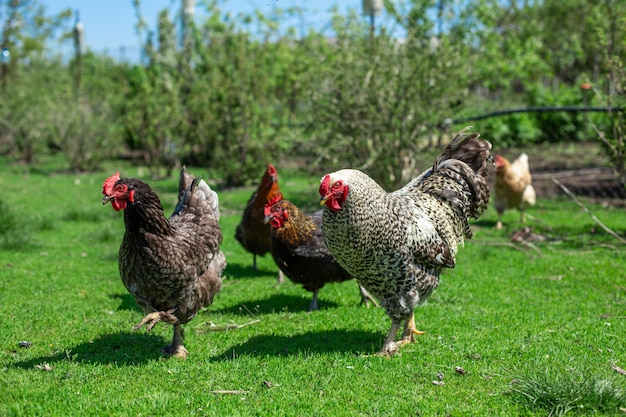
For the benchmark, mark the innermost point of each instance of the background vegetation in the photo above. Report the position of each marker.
(232, 93)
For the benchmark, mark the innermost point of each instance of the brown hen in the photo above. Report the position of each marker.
(299, 250)
(171, 266)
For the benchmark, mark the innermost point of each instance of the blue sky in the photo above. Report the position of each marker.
(110, 25)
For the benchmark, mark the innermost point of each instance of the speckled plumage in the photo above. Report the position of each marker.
(171, 266)
(396, 244)
(298, 249)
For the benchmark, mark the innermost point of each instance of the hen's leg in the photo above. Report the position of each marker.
(281, 277)
(522, 218)
(155, 317)
(366, 297)
(176, 348)
(254, 261)
(313, 306)
(390, 347)
(408, 335)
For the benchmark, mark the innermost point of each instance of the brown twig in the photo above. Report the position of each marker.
(618, 369)
(229, 391)
(586, 210)
(214, 328)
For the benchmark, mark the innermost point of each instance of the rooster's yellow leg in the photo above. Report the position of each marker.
(176, 348)
(409, 331)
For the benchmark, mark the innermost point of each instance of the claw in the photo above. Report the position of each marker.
(156, 317)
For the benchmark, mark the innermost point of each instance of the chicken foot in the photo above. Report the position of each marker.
(314, 305)
(366, 297)
(176, 348)
(390, 347)
(155, 317)
(408, 335)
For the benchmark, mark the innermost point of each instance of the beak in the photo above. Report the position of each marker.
(106, 199)
(267, 219)
(323, 200)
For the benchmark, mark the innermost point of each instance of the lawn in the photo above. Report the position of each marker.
(515, 329)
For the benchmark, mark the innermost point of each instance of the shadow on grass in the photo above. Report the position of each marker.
(122, 348)
(127, 302)
(277, 303)
(318, 342)
(246, 271)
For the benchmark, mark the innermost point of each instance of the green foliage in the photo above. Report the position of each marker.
(612, 38)
(233, 93)
(558, 126)
(85, 117)
(376, 100)
(154, 116)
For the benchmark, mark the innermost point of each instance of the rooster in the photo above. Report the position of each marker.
(512, 187)
(299, 250)
(171, 266)
(252, 232)
(396, 244)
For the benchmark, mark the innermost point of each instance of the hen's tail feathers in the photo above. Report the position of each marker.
(184, 182)
(196, 194)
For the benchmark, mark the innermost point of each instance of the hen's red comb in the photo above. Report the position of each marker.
(269, 204)
(107, 186)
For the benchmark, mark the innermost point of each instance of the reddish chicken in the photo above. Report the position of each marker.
(396, 244)
(252, 232)
(299, 250)
(512, 187)
(171, 266)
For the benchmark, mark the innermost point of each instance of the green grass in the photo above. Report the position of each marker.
(536, 328)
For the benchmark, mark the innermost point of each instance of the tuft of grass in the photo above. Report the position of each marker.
(14, 232)
(83, 215)
(560, 392)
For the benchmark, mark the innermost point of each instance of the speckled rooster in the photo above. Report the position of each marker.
(171, 266)
(396, 244)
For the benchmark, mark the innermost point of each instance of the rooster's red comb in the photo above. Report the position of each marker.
(271, 170)
(325, 185)
(107, 186)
